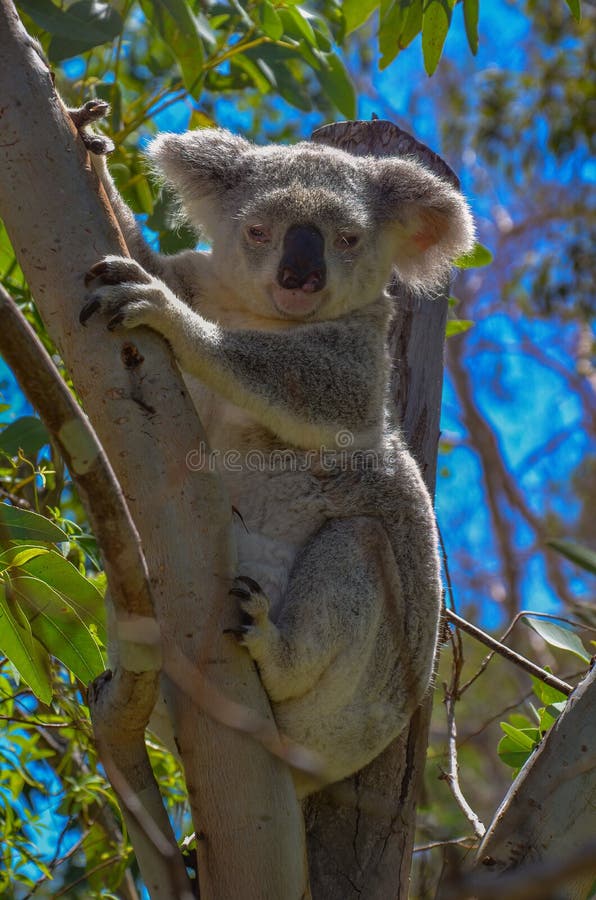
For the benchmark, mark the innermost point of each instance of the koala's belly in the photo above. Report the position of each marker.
(280, 502)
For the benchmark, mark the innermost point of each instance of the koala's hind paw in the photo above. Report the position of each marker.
(254, 606)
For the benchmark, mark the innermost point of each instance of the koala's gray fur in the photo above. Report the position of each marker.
(343, 620)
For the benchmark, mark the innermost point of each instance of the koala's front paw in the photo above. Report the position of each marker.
(123, 290)
(86, 115)
(254, 605)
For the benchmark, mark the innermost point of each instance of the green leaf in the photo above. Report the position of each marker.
(478, 256)
(458, 326)
(28, 434)
(270, 21)
(576, 9)
(19, 555)
(74, 589)
(545, 693)
(356, 12)
(399, 25)
(337, 84)
(24, 651)
(549, 715)
(558, 636)
(471, 23)
(511, 753)
(523, 738)
(578, 553)
(436, 19)
(297, 25)
(24, 525)
(56, 625)
(178, 27)
(85, 24)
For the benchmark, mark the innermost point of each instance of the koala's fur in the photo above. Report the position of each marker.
(343, 621)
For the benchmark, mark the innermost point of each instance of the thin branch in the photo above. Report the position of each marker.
(509, 629)
(467, 842)
(451, 776)
(508, 653)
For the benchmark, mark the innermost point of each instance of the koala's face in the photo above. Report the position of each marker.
(309, 232)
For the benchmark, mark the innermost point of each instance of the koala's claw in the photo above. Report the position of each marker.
(92, 305)
(254, 609)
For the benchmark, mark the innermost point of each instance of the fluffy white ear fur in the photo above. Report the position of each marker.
(199, 165)
(429, 221)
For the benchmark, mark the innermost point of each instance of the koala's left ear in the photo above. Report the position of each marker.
(429, 220)
(200, 166)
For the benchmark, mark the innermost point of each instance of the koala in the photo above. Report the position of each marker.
(280, 331)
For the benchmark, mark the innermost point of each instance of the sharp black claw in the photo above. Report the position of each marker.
(236, 632)
(95, 271)
(251, 583)
(116, 320)
(87, 311)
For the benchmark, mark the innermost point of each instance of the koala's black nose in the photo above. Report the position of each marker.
(302, 264)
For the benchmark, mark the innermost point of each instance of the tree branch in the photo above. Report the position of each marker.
(508, 653)
(133, 689)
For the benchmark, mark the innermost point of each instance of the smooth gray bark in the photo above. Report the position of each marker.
(242, 798)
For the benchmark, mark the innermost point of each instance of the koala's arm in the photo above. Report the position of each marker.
(304, 384)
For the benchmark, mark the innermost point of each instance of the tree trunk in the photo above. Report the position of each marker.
(242, 798)
(549, 815)
(360, 834)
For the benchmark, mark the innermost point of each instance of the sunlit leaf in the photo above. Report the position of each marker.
(471, 23)
(56, 625)
(546, 693)
(25, 652)
(399, 25)
(24, 525)
(270, 21)
(576, 9)
(458, 326)
(524, 738)
(337, 84)
(73, 587)
(356, 12)
(558, 635)
(436, 19)
(478, 256)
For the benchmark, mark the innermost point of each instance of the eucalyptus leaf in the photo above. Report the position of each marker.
(558, 635)
(28, 434)
(581, 555)
(478, 256)
(356, 12)
(24, 525)
(436, 19)
(56, 625)
(337, 84)
(458, 326)
(22, 648)
(471, 23)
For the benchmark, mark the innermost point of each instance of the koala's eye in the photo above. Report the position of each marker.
(258, 234)
(346, 240)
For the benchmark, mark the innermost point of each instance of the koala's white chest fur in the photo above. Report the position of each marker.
(279, 502)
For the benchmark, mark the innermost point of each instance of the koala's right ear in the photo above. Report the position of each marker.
(199, 166)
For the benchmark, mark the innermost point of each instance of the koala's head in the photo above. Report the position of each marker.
(308, 231)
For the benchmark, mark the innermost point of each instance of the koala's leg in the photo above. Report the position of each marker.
(343, 614)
